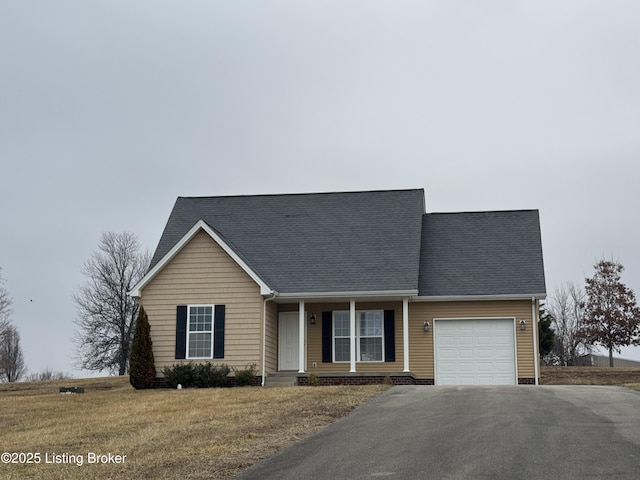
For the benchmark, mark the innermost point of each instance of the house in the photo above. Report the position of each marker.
(593, 360)
(348, 286)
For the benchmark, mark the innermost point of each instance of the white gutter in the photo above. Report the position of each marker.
(536, 353)
(471, 298)
(264, 334)
(348, 295)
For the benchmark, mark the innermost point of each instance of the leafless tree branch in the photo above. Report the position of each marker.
(5, 305)
(565, 306)
(106, 314)
(12, 366)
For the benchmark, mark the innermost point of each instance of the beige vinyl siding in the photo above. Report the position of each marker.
(314, 337)
(203, 273)
(271, 357)
(421, 355)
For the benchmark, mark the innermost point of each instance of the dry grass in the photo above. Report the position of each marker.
(165, 434)
(589, 376)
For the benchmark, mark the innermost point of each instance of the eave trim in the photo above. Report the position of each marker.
(348, 295)
(470, 298)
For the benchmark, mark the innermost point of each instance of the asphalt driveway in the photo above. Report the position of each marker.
(545, 432)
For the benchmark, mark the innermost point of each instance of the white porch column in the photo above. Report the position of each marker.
(301, 335)
(535, 318)
(352, 332)
(405, 332)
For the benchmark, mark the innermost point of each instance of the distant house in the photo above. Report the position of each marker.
(593, 360)
(350, 287)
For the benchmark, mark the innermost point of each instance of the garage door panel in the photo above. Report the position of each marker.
(475, 352)
(485, 355)
(465, 368)
(503, 356)
(465, 355)
(504, 367)
(481, 341)
(447, 354)
(487, 367)
(448, 342)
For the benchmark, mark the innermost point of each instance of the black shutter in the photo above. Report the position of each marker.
(389, 336)
(181, 331)
(327, 329)
(218, 332)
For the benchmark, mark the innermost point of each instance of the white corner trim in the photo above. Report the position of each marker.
(200, 225)
(535, 320)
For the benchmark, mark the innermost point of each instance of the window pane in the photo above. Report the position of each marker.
(342, 351)
(371, 324)
(371, 349)
(199, 345)
(200, 331)
(341, 324)
(200, 319)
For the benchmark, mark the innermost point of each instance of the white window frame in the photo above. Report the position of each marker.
(189, 332)
(334, 336)
(357, 335)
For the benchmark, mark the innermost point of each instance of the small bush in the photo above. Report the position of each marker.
(387, 380)
(179, 374)
(203, 375)
(208, 375)
(245, 377)
(313, 380)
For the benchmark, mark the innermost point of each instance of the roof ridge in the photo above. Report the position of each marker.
(300, 194)
(463, 212)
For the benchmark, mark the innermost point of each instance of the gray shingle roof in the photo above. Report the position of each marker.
(320, 242)
(481, 253)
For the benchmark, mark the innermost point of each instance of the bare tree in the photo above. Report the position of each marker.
(12, 366)
(611, 316)
(5, 305)
(566, 306)
(106, 314)
(546, 336)
(11, 358)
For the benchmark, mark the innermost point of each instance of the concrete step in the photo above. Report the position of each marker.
(281, 379)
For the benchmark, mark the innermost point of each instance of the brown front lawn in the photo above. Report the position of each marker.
(165, 434)
(589, 376)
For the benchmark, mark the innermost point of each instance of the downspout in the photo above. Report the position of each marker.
(264, 335)
(536, 353)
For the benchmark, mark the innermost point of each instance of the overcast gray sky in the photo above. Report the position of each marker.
(109, 110)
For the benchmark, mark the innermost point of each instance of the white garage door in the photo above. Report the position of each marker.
(475, 352)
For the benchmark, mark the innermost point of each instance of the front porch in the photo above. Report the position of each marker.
(331, 339)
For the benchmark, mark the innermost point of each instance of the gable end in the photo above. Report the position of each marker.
(199, 226)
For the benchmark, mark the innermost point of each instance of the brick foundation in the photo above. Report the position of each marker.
(159, 382)
(526, 381)
(362, 379)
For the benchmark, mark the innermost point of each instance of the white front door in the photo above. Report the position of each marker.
(288, 341)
